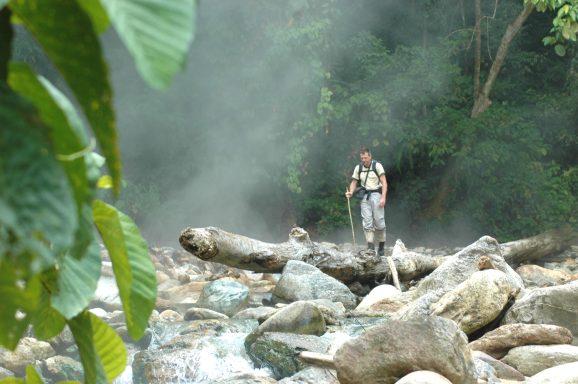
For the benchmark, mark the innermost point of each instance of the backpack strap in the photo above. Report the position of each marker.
(372, 167)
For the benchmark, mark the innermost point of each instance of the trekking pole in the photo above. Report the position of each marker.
(350, 218)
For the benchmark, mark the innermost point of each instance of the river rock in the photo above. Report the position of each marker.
(312, 375)
(247, 378)
(280, 351)
(300, 317)
(498, 342)
(419, 307)
(502, 370)
(332, 311)
(170, 316)
(224, 296)
(463, 264)
(377, 294)
(476, 301)
(394, 349)
(4, 373)
(260, 313)
(27, 352)
(531, 359)
(62, 368)
(301, 281)
(536, 276)
(552, 305)
(423, 377)
(203, 314)
(560, 374)
(186, 293)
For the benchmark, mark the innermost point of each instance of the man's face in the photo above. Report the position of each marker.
(365, 158)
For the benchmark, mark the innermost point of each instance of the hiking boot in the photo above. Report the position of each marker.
(371, 246)
(381, 250)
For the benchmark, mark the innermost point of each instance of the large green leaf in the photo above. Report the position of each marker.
(20, 299)
(47, 322)
(157, 33)
(97, 14)
(37, 210)
(12, 380)
(32, 376)
(67, 130)
(102, 351)
(132, 265)
(65, 32)
(77, 282)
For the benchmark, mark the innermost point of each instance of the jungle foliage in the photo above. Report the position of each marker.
(50, 258)
(327, 77)
(403, 85)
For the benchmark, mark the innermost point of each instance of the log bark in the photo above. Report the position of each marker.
(343, 262)
(538, 247)
(346, 262)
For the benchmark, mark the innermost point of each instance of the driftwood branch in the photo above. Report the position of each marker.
(344, 262)
(318, 359)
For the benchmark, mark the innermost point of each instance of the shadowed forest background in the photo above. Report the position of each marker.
(262, 130)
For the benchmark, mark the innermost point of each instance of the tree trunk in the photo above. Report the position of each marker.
(538, 247)
(6, 35)
(344, 262)
(482, 99)
(478, 49)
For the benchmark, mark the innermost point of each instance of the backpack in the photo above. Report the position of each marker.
(372, 167)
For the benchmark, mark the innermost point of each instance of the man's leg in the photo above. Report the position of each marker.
(378, 223)
(367, 221)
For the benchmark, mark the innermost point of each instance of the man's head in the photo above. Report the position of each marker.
(365, 156)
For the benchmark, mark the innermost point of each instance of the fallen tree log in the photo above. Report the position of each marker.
(343, 262)
(538, 247)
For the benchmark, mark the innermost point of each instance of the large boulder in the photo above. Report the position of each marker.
(552, 305)
(280, 351)
(531, 359)
(560, 374)
(502, 370)
(463, 264)
(27, 352)
(476, 301)
(423, 377)
(536, 276)
(498, 342)
(301, 317)
(394, 349)
(302, 281)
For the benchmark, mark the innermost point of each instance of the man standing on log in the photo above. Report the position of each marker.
(371, 175)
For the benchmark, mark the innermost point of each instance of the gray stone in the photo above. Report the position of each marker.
(301, 281)
(531, 359)
(498, 342)
(224, 296)
(396, 348)
(552, 305)
(301, 317)
(280, 351)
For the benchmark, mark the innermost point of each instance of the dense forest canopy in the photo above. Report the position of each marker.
(262, 130)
